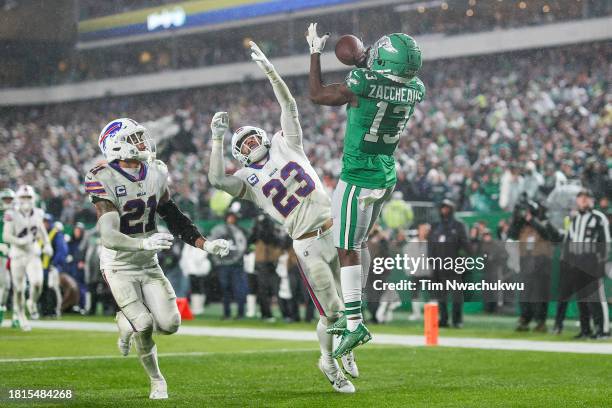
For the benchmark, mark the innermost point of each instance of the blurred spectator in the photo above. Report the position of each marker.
(230, 268)
(495, 258)
(196, 266)
(51, 297)
(75, 263)
(535, 250)
(446, 239)
(267, 250)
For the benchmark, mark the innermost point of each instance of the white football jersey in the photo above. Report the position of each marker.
(287, 188)
(135, 195)
(28, 224)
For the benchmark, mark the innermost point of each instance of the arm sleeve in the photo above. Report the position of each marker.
(111, 238)
(216, 173)
(178, 223)
(290, 122)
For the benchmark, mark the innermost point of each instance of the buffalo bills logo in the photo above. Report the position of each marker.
(111, 130)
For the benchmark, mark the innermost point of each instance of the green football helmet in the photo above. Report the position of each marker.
(7, 196)
(396, 56)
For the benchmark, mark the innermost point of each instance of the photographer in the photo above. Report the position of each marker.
(535, 249)
(586, 242)
(268, 244)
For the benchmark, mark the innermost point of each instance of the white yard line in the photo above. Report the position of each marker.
(389, 339)
(133, 355)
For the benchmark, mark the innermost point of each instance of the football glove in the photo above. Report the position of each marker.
(219, 125)
(260, 58)
(218, 247)
(315, 42)
(157, 242)
(48, 250)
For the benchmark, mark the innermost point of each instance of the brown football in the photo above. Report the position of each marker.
(349, 49)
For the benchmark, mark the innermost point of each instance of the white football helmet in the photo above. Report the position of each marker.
(126, 139)
(7, 196)
(254, 155)
(25, 197)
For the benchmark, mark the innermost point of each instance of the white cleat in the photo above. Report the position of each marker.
(159, 389)
(337, 378)
(124, 345)
(26, 327)
(350, 365)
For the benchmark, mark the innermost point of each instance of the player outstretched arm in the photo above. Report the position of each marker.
(216, 168)
(332, 94)
(111, 237)
(290, 122)
(181, 226)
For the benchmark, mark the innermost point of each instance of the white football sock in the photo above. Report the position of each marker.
(149, 362)
(326, 343)
(350, 279)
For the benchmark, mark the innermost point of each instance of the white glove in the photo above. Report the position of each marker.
(157, 242)
(48, 250)
(315, 42)
(260, 58)
(218, 247)
(219, 125)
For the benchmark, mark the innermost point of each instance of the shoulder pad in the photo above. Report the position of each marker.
(161, 166)
(356, 80)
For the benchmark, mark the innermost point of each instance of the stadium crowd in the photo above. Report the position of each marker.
(285, 37)
(540, 118)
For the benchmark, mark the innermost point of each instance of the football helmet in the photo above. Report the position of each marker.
(254, 154)
(126, 139)
(25, 197)
(396, 56)
(7, 196)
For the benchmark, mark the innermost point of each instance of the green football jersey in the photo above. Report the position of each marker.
(374, 126)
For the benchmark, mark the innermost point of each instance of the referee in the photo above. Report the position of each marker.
(586, 243)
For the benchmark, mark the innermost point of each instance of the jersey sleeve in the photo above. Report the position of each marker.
(96, 188)
(164, 175)
(356, 81)
(248, 182)
(419, 85)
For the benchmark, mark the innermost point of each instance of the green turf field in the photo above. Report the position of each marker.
(205, 371)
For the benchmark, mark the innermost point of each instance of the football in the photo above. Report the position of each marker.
(349, 49)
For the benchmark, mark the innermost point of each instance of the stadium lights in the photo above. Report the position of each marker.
(418, 6)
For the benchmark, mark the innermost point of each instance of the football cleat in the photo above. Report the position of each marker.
(338, 327)
(336, 378)
(351, 339)
(350, 365)
(15, 324)
(26, 327)
(159, 389)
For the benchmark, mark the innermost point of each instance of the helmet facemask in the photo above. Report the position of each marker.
(251, 146)
(144, 144)
(26, 202)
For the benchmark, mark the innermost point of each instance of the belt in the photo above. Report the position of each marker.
(328, 224)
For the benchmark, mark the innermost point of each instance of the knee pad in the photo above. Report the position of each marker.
(170, 325)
